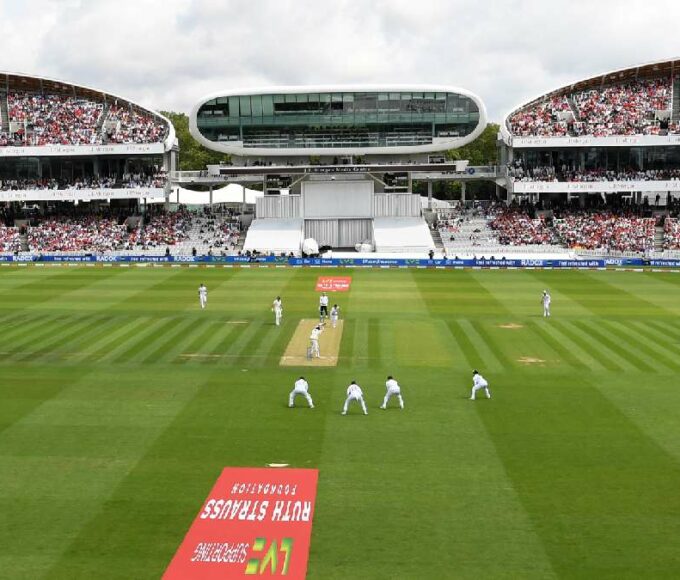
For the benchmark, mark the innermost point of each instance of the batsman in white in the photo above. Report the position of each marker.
(314, 340)
(546, 304)
(393, 390)
(335, 313)
(479, 382)
(354, 393)
(203, 296)
(277, 309)
(301, 387)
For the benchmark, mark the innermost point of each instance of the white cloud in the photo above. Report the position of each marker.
(168, 53)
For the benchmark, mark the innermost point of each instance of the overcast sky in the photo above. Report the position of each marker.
(167, 54)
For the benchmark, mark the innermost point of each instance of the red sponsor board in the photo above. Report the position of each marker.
(255, 522)
(333, 283)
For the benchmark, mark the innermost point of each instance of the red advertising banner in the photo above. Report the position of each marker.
(333, 283)
(255, 522)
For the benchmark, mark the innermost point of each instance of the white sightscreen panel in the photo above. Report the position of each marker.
(338, 199)
(325, 232)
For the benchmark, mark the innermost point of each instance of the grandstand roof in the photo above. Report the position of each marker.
(648, 70)
(15, 81)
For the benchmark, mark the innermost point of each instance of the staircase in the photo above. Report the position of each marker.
(241, 239)
(574, 108)
(4, 113)
(437, 239)
(102, 118)
(658, 239)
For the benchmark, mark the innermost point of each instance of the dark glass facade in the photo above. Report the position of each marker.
(596, 158)
(337, 119)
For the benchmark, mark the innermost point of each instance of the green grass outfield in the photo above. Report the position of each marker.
(110, 438)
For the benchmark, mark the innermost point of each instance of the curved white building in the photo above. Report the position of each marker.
(338, 120)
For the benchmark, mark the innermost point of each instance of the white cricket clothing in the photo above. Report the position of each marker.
(203, 296)
(301, 387)
(546, 304)
(323, 301)
(479, 382)
(277, 306)
(354, 393)
(335, 311)
(314, 342)
(393, 390)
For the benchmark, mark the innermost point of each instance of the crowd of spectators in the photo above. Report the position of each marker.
(50, 119)
(542, 119)
(514, 226)
(84, 234)
(54, 119)
(606, 230)
(163, 229)
(9, 239)
(518, 172)
(126, 181)
(623, 109)
(671, 234)
(127, 125)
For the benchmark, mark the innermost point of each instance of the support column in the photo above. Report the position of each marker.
(410, 182)
(211, 198)
(508, 196)
(582, 200)
(167, 201)
(463, 190)
(429, 194)
(243, 205)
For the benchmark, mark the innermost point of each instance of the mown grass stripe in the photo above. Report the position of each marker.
(489, 358)
(658, 334)
(130, 341)
(48, 350)
(562, 333)
(666, 328)
(360, 350)
(215, 343)
(496, 346)
(347, 345)
(597, 342)
(103, 329)
(99, 347)
(373, 340)
(559, 346)
(386, 341)
(472, 357)
(644, 343)
(150, 353)
(618, 342)
(261, 344)
(150, 338)
(41, 333)
(198, 332)
(244, 343)
(13, 336)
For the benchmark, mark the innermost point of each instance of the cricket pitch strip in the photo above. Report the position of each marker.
(329, 346)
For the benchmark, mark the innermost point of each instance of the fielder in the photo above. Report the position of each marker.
(393, 390)
(314, 341)
(277, 309)
(202, 296)
(546, 304)
(479, 382)
(354, 393)
(301, 387)
(323, 306)
(335, 313)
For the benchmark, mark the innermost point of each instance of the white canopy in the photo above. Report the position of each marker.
(231, 193)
